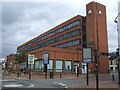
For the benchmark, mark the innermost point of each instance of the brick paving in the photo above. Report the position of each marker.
(102, 84)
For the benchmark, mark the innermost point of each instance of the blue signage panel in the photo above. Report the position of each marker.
(45, 62)
(87, 55)
(45, 58)
(87, 60)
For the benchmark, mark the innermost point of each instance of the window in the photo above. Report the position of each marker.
(22, 65)
(58, 65)
(30, 66)
(50, 66)
(69, 44)
(71, 25)
(68, 66)
(39, 67)
(116, 68)
(111, 68)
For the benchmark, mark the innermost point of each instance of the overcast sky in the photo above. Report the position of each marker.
(22, 21)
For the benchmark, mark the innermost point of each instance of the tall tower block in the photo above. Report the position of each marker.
(97, 32)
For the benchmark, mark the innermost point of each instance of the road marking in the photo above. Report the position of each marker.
(66, 87)
(9, 79)
(12, 80)
(19, 85)
(31, 85)
(55, 82)
(62, 84)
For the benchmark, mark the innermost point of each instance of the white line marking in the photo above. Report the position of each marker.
(12, 80)
(31, 85)
(66, 87)
(55, 82)
(5, 80)
(19, 85)
(62, 84)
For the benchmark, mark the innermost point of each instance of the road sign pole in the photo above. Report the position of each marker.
(87, 76)
(87, 58)
(30, 72)
(30, 61)
(96, 72)
(45, 71)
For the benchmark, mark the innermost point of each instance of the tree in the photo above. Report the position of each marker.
(21, 56)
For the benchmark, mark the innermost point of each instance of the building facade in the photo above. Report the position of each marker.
(11, 62)
(113, 65)
(65, 43)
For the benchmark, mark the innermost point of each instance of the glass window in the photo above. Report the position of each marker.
(22, 65)
(30, 66)
(36, 65)
(68, 66)
(58, 65)
(50, 66)
(39, 67)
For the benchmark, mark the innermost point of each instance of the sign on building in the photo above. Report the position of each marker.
(30, 58)
(45, 58)
(87, 55)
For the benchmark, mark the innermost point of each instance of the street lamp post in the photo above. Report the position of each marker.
(97, 50)
(118, 16)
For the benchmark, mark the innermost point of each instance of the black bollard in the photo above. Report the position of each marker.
(60, 75)
(50, 74)
(113, 77)
(17, 74)
(29, 75)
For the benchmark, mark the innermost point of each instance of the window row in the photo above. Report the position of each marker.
(69, 26)
(39, 66)
(69, 44)
(57, 39)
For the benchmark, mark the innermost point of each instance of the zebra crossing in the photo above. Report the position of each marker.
(6, 78)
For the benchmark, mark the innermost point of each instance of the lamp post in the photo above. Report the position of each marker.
(118, 21)
(97, 50)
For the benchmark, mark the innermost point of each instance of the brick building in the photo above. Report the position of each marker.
(64, 43)
(11, 62)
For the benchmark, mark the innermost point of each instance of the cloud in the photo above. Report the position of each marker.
(22, 22)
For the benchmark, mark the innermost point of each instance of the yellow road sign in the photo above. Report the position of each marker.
(30, 58)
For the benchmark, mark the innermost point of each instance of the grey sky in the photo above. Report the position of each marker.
(22, 21)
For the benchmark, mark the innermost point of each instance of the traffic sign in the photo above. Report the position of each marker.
(87, 55)
(30, 61)
(45, 58)
(30, 58)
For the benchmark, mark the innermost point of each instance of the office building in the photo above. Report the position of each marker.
(65, 42)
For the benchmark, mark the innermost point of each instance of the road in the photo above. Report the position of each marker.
(14, 82)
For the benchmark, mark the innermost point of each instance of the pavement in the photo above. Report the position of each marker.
(103, 83)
